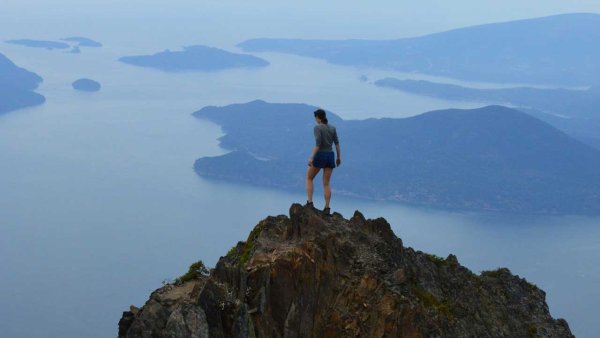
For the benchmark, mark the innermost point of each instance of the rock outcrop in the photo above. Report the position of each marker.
(311, 275)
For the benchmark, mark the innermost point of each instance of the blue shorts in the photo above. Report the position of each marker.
(324, 159)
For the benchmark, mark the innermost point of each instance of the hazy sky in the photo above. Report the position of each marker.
(238, 20)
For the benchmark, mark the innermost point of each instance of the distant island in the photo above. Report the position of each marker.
(39, 44)
(86, 85)
(83, 42)
(195, 58)
(550, 50)
(491, 159)
(573, 111)
(75, 50)
(16, 87)
(79, 42)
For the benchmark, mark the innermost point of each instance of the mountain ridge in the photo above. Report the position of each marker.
(573, 111)
(556, 49)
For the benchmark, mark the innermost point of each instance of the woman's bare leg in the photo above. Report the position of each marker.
(310, 176)
(326, 188)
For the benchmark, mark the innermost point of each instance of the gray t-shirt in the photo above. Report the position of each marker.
(325, 136)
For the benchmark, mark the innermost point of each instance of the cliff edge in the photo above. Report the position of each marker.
(311, 275)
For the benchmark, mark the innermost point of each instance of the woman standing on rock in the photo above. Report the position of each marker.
(322, 157)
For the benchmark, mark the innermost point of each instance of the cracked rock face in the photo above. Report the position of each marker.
(310, 275)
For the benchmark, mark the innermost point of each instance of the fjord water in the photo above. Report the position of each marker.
(99, 202)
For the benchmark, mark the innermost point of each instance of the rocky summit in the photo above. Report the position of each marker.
(313, 275)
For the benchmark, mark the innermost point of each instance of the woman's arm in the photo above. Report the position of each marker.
(312, 155)
(318, 141)
(336, 140)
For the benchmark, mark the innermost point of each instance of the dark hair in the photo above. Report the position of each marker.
(320, 113)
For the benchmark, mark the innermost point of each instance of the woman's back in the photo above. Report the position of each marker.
(325, 136)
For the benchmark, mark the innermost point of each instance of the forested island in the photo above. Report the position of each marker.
(576, 112)
(195, 58)
(492, 158)
(86, 85)
(16, 87)
(83, 42)
(72, 43)
(39, 43)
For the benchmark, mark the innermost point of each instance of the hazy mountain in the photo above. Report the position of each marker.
(310, 275)
(492, 158)
(573, 103)
(16, 85)
(559, 49)
(192, 58)
(577, 112)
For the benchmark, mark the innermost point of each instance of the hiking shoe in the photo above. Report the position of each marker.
(327, 211)
(309, 204)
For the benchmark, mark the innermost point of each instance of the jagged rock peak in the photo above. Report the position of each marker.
(312, 275)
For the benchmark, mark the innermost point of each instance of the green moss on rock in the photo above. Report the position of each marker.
(249, 246)
(196, 270)
(429, 300)
(437, 260)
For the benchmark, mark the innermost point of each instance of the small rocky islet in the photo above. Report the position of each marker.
(86, 85)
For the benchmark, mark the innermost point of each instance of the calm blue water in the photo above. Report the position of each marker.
(99, 202)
